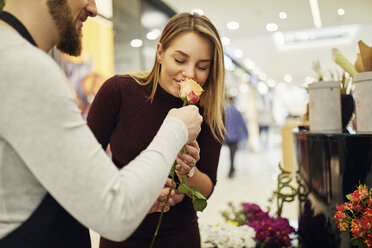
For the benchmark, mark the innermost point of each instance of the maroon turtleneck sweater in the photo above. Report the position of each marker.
(122, 115)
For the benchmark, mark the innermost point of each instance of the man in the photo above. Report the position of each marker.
(55, 180)
(236, 130)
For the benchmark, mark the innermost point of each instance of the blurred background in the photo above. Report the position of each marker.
(273, 50)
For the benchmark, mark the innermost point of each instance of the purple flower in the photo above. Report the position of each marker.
(270, 231)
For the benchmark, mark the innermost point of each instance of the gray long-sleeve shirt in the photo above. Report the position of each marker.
(46, 146)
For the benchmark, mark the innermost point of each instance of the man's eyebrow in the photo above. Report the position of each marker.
(186, 55)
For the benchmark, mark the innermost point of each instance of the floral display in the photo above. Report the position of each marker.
(227, 235)
(355, 216)
(271, 232)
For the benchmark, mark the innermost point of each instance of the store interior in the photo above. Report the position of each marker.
(273, 51)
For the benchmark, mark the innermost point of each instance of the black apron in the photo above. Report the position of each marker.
(49, 226)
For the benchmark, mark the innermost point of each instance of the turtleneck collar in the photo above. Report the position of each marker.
(162, 95)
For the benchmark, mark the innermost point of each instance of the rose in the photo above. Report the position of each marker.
(190, 91)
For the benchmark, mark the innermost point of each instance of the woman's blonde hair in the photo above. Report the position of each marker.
(212, 100)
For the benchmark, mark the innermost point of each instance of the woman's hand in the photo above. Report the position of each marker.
(174, 198)
(188, 160)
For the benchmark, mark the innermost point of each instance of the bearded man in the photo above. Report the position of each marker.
(55, 179)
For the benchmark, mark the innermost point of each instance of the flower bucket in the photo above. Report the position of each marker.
(363, 102)
(325, 107)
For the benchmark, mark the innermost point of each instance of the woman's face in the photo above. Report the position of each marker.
(188, 56)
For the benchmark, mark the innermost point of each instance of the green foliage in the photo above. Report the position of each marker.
(2, 3)
(358, 242)
(198, 200)
(284, 191)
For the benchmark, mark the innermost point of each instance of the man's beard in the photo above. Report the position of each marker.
(69, 35)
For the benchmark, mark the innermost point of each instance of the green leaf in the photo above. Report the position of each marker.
(199, 204)
(358, 242)
(199, 195)
(184, 179)
(183, 189)
(348, 196)
(183, 150)
(194, 188)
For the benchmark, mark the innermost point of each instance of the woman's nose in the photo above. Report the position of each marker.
(189, 72)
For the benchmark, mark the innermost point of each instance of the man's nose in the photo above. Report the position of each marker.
(91, 8)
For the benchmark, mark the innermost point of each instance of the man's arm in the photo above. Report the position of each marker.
(42, 122)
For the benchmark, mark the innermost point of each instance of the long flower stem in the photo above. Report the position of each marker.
(162, 209)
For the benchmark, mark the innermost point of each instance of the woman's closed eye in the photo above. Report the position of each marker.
(203, 68)
(179, 61)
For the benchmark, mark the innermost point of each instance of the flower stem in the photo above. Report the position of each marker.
(164, 203)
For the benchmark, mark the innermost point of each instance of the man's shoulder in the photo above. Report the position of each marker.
(14, 48)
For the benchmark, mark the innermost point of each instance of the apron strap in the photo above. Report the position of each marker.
(17, 25)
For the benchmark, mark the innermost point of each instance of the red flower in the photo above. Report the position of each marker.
(366, 222)
(368, 212)
(358, 207)
(356, 216)
(343, 226)
(368, 242)
(340, 207)
(356, 228)
(348, 206)
(360, 194)
(339, 215)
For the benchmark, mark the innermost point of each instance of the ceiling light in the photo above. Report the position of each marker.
(233, 25)
(262, 88)
(197, 11)
(153, 19)
(340, 12)
(288, 78)
(271, 83)
(271, 27)
(316, 14)
(249, 64)
(283, 15)
(225, 41)
(238, 53)
(136, 43)
(153, 34)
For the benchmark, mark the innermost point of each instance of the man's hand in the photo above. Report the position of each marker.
(190, 116)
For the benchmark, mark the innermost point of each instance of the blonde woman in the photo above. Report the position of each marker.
(128, 110)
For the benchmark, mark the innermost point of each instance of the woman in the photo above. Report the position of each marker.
(128, 110)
